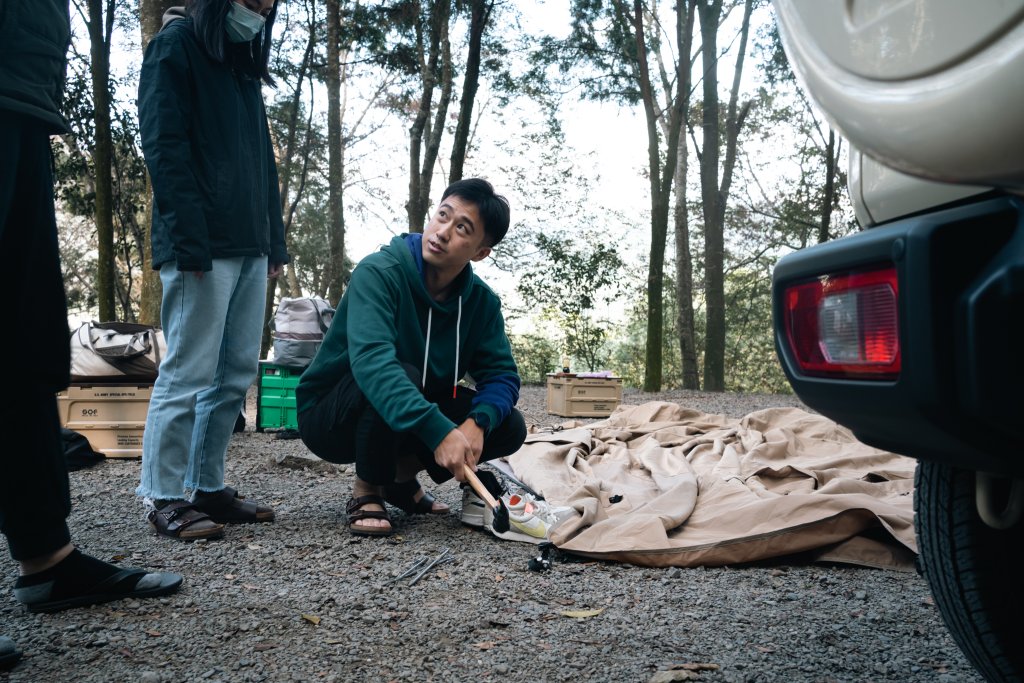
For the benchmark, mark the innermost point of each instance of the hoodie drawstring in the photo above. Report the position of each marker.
(458, 324)
(426, 348)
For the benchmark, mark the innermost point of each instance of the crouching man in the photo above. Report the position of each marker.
(383, 390)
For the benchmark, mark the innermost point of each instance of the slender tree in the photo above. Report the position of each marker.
(480, 13)
(685, 318)
(611, 45)
(99, 19)
(435, 69)
(336, 171)
(716, 177)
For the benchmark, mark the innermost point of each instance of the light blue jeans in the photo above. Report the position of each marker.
(213, 327)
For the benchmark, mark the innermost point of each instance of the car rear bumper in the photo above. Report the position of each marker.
(958, 397)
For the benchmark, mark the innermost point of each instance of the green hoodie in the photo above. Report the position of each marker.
(382, 323)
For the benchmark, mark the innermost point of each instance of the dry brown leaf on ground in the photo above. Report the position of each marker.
(581, 613)
(312, 618)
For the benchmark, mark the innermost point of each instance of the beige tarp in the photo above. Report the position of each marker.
(661, 485)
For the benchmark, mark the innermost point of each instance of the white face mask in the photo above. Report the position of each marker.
(243, 24)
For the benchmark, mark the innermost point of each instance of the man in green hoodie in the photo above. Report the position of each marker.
(384, 390)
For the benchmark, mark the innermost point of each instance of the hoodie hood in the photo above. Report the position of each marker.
(172, 14)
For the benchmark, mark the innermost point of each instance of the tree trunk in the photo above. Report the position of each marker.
(335, 212)
(829, 196)
(100, 25)
(714, 345)
(713, 195)
(685, 319)
(481, 11)
(150, 19)
(424, 139)
(285, 170)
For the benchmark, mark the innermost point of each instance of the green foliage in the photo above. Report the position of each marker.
(569, 281)
(750, 359)
(629, 348)
(535, 356)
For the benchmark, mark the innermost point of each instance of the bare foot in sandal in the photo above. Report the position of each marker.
(367, 515)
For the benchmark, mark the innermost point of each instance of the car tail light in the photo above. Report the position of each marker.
(845, 324)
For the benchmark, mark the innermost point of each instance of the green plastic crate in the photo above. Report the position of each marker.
(275, 397)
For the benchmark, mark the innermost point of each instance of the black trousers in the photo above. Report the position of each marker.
(34, 498)
(344, 428)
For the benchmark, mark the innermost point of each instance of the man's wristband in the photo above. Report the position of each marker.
(482, 420)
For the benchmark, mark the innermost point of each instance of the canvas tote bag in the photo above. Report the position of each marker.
(116, 352)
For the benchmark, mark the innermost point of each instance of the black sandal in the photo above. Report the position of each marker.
(403, 496)
(228, 507)
(356, 513)
(183, 521)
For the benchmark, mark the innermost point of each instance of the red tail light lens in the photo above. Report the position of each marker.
(845, 324)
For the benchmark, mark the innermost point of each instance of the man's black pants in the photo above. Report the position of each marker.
(344, 428)
(34, 499)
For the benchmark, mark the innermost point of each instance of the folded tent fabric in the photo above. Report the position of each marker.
(662, 485)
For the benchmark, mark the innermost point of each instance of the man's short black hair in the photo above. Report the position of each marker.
(493, 207)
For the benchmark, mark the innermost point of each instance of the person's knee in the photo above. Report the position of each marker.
(516, 426)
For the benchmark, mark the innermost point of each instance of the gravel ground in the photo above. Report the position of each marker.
(302, 600)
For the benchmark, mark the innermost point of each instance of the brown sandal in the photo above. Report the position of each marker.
(228, 507)
(356, 513)
(183, 521)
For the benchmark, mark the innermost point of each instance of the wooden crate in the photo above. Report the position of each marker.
(111, 416)
(572, 396)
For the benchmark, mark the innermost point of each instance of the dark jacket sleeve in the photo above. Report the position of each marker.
(278, 249)
(165, 112)
(494, 370)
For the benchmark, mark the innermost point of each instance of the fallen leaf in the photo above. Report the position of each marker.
(673, 675)
(250, 586)
(229, 577)
(253, 546)
(263, 647)
(498, 578)
(153, 633)
(485, 645)
(582, 613)
(765, 650)
(311, 618)
(695, 666)
(118, 558)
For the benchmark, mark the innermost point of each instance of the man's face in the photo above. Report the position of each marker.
(455, 235)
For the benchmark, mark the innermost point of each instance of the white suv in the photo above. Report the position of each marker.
(908, 331)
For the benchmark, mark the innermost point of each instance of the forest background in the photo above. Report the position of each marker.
(659, 159)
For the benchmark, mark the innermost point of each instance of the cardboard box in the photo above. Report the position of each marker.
(275, 397)
(111, 416)
(572, 396)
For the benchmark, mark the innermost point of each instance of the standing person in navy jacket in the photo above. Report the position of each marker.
(217, 236)
(34, 496)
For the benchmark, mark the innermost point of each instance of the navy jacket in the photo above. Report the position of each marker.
(34, 37)
(207, 146)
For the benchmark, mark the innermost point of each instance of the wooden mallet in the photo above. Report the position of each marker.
(500, 522)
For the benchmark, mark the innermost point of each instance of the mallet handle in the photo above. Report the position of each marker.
(478, 486)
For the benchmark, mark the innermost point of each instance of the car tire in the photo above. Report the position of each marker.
(974, 571)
